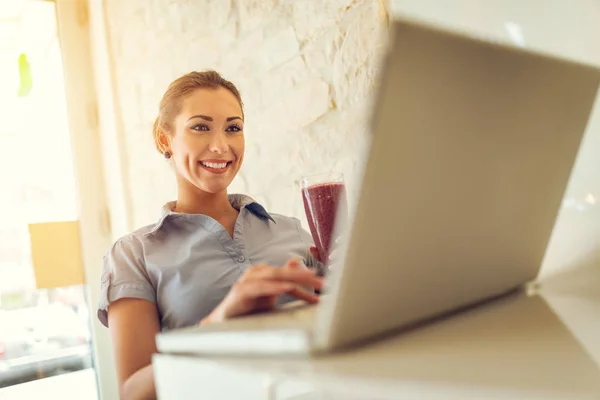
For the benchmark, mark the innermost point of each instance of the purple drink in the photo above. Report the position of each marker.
(322, 202)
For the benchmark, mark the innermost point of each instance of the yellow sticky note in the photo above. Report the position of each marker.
(56, 254)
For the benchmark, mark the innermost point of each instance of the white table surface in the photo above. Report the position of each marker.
(545, 345)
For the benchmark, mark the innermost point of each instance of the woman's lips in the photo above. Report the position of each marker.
(215, 166)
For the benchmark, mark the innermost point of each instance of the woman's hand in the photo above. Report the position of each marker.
(261, 285)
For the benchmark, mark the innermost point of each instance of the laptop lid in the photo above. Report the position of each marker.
(472, 147)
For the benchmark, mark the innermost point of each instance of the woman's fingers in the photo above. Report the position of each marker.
(301, 277)
(305, 295)
(294, 263)
(261, 288)
(293, 274)
(256, 289)
(264, 288)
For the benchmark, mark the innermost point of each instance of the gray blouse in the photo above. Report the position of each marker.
(186, 263)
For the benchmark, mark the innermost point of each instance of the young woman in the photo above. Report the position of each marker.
(212, 255)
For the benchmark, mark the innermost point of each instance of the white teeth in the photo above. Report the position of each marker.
(214, 165)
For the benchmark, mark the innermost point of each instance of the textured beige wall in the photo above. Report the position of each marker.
(305, 68)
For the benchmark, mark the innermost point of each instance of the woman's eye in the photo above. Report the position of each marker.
(233, 128)
(200, 127)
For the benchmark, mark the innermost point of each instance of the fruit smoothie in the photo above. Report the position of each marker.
(322, 202)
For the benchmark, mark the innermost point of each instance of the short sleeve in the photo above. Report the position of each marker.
(124, 275)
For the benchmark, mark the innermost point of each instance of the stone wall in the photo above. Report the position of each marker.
(305, 69)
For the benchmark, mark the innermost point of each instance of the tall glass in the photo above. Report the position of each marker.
(324, 197)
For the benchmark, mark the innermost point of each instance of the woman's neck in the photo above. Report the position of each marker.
(191, 200)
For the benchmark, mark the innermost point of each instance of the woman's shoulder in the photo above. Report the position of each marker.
(133, 240)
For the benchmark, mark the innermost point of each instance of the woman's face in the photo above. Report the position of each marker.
(207, 143)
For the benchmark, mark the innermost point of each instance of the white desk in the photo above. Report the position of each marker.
(519, 347)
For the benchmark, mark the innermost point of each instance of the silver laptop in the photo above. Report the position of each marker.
(472, 148)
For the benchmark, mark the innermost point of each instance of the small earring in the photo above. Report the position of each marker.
(167, 155)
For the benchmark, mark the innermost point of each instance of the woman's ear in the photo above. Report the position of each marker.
(164, 142)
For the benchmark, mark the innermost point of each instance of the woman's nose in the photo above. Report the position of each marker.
(218, 143)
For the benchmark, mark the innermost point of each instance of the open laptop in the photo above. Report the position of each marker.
(472, 147)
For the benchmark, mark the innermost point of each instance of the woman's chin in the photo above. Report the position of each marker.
(211, 182)
(212, 186)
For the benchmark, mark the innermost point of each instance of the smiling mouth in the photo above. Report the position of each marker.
(215, 166)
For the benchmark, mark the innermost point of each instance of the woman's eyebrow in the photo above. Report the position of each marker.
(207, 118)
(204, 117)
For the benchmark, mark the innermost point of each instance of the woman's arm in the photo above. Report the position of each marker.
(133, 325)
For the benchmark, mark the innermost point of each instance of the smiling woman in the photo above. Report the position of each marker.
(212, 255)
(206, 148)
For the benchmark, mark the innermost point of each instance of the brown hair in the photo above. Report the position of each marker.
(170, 104)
